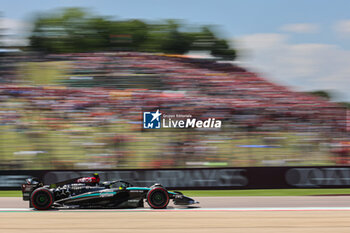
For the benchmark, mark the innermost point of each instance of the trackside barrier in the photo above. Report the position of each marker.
(200, 178)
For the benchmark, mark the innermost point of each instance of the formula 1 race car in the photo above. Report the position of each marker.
(88, 192)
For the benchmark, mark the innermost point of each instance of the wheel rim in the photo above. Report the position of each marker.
(158, 198)
(42, 199)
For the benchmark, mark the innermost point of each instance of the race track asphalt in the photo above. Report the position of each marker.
(236, 202)
(217, 214)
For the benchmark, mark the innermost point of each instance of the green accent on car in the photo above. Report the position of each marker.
(137, 188)
(147, 189)
(93, 194)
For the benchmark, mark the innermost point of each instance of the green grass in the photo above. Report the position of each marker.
(11, 193)
(228, 193)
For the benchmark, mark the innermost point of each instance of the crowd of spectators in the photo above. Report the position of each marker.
(104, 94)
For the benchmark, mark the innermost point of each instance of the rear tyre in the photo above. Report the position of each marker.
(41, 199)
(158, 198)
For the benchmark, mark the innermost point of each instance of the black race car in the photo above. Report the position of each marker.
(88, 192)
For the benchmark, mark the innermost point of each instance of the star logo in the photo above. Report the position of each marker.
(156, 115)
(152, 120)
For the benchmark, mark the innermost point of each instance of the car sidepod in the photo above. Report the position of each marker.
(106, 198)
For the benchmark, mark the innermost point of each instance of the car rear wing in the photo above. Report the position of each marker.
(29, 186)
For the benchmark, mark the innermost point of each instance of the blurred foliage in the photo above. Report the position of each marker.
(75, 30)
(321, 93)
(328, 96)
(345, 104)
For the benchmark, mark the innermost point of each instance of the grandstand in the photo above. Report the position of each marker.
(90, 115)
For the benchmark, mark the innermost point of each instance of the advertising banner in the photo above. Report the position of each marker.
(199, 178)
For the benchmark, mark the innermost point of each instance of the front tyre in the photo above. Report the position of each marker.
(158, 198)
(41, 199)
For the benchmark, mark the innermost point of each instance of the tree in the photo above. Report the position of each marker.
(130, 34)
(207, 40)
(321, 93)
(76, 30)
(203, 40)
(345, 104)
(222, 50)
(174, 41)
(71, 30)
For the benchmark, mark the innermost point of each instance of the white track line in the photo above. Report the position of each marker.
(188, 209)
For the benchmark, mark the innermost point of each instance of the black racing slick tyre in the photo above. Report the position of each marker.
(158, 198)
(41, 198)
